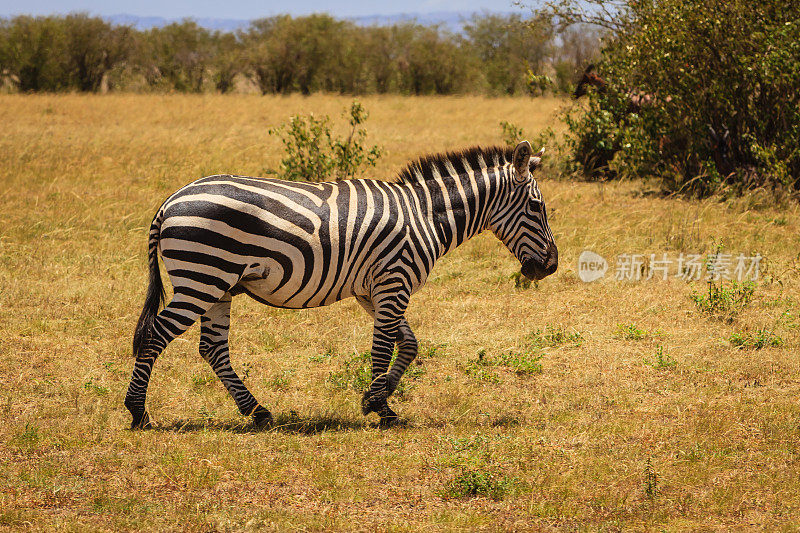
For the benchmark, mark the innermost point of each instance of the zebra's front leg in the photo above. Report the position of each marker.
(214, 327)
(407, 349)
(387, 321)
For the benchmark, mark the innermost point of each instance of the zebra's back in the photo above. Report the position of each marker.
(287, 244)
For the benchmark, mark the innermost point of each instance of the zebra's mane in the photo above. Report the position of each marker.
(475, 158)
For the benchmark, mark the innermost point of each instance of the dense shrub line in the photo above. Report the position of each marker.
(702, 94)
(496, 54)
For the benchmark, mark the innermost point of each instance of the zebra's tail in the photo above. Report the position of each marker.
(155, 290)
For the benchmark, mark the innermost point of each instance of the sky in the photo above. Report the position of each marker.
(245, 9)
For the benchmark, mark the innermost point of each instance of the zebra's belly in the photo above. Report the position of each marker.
(267, 286)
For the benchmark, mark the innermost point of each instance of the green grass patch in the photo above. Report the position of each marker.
(94, 388)
(630, 332)
(724, 302)
(761, 338)
(662, 361)
(522, 363)
(552, 336)
(471, 483)
(355, 374)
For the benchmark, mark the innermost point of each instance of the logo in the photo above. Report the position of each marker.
(591, 266)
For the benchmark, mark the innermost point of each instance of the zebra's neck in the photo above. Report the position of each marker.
(459, 206)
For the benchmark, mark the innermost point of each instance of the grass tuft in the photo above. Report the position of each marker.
(522, 363)
(724, 302)
(761, 338)
(650, 481)
(662, 361)
(471, 483)
(552, 336)
(356, 372)
(630, 332)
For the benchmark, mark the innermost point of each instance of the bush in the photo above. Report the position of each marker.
(722, 104)
(478, 482)
(723, 302)
(314, 153)
(761, 338)
(356, 373)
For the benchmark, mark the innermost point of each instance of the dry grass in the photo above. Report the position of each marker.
(602, 438)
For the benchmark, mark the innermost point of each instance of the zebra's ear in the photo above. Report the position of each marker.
(522, 155)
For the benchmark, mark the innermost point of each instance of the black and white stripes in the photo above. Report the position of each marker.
(300, 245)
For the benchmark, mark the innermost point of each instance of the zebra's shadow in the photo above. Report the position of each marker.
(289, 422)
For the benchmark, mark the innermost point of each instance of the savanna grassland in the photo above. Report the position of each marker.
(563, 406)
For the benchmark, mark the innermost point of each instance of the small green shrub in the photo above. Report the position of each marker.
(321, 358)
(200, 382)
(512, 134)
(523, 283)
(630, 332)
(723, 302)
(552, 336)
(523, 363)
(356, 373)
(433, 350)
(93, 387)
(281, 380)
(471, 483)
(314, 153)
(27, 438)
(760, 339)
(479, 369)
(662, 361)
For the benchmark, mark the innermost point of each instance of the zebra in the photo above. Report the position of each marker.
(299, 245)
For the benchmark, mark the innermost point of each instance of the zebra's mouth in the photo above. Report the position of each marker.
(532, 271)
(536, 270)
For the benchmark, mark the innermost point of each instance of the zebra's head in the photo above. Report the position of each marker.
(521, 219)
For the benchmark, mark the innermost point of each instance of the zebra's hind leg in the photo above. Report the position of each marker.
(407, 349)
(173, 320)
(214, 328)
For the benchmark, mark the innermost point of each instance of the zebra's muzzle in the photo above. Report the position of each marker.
(536, 270)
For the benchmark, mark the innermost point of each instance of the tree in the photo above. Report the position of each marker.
(508, 47)
(32, 53)
(227, 60)
(432, 62)
(270, 59)
(178, 55)
(93, 48)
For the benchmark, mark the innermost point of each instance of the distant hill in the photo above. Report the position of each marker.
(451, 20)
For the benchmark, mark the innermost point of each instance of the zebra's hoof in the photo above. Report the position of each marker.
(262, 418)
(388, 418)
(371, 404)
(143, 422)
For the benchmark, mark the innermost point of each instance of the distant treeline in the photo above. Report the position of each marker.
(495, 54)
